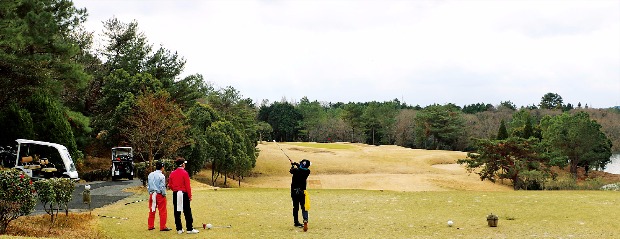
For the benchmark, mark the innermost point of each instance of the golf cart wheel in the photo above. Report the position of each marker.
(130, 177)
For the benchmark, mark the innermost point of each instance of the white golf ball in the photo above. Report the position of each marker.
(209, 226)
(450, 223)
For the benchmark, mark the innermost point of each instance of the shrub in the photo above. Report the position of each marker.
(562, 183)
(592, 184)
(16, 196)
(569, 183)
(55, 193)
(533, 179)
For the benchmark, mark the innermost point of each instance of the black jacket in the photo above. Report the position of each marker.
(299, 177)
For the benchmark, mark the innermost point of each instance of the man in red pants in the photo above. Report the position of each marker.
(157, 197)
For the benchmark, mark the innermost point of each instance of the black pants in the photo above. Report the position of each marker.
(187, 211)
(299, 201)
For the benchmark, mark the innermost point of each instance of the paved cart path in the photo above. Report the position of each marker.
(102, 193)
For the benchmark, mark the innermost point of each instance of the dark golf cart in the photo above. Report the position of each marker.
(122, 163)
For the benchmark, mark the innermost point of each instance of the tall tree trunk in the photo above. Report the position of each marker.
(213, 177)
(3, 226)
(373, 136)
(573, 167)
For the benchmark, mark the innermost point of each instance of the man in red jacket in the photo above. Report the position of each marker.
(181, 196)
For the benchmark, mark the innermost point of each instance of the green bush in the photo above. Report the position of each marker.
(569, 183)
(592, 184)
(563, 183)
(55, 193)
(17, 196)
(533, 180)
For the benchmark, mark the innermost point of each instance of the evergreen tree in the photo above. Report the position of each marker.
(37, 49)
(439, 127)
(353, 116)
(551, 101)
(502, 133)
(16, 124)
(39, 72)
(576, 140)
(508, 105)
(284, 118)
(201, 150)
(517, 159)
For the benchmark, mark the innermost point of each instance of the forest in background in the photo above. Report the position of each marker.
(57, 86)
(434, 126)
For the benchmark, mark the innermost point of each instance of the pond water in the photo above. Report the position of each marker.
(614, 166)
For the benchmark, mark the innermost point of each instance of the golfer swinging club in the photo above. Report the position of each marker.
(300, 172)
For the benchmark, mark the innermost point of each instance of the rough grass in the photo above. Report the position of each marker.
(76, 225)
(362, 191)
(266, 213)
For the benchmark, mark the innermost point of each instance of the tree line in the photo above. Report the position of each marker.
(521, 145)
(435, 126)
(56, 85)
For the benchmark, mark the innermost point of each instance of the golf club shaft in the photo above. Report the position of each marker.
(289, 159)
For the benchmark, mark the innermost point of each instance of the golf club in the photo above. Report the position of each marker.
(289, 159)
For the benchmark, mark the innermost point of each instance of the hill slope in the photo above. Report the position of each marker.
(360, 166)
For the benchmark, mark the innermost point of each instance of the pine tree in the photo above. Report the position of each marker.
(502, 133)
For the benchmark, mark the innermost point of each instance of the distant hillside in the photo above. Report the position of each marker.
(361, 166)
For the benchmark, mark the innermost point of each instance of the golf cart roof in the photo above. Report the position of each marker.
(55, 145)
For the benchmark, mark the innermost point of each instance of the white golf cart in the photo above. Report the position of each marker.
(122, 163)
(40, 159)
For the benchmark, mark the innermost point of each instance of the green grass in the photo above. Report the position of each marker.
(266, 213)
(323, 145)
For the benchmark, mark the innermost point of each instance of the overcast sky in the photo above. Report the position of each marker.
(421, 52)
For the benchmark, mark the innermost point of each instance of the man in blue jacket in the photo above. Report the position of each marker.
(157, 197)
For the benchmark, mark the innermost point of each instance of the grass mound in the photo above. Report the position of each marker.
(360, 166)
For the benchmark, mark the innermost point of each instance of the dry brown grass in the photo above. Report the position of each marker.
(92, 163)
(76, 225)
(360, 166)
